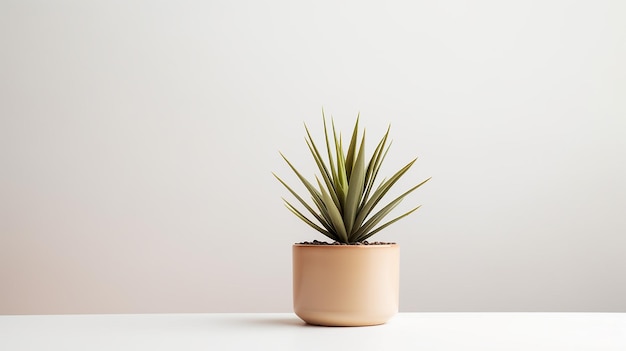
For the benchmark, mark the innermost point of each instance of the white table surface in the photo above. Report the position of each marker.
(284, 331)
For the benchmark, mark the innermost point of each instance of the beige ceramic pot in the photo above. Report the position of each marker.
(346, 285)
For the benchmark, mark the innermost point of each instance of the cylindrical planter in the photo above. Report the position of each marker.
(346, 285)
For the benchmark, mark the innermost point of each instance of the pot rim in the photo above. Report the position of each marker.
(349, 246)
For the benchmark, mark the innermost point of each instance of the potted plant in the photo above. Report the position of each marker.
(350, 281)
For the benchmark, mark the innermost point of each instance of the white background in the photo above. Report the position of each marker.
(137, 141)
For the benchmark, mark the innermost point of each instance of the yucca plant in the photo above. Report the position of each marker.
(344, 200)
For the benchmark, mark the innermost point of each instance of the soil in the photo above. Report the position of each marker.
(317, 242)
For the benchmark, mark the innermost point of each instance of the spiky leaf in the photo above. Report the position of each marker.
(345, 198)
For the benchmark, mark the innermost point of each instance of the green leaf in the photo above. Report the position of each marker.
(309, 187)
(365, 237)
(341, 184)
(325, 175)
(334, 213)
(374, 165)
(355, 189)
(308, 221)
(323, 221)
(372, 222)
(315, 195)
(316, 155)
(380, 193)
(345, 197)
(352, 149)
(333, 169)
(379, 216)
